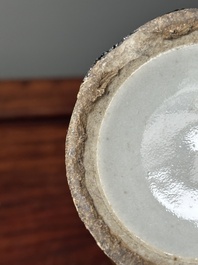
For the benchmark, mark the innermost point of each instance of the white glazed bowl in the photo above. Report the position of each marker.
(132, 145)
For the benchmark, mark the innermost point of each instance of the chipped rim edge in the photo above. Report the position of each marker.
(169, 27)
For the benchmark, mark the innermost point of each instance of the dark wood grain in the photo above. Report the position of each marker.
(38, 98)
(38, 221)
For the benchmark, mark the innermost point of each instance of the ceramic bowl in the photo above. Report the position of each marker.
(132, 145)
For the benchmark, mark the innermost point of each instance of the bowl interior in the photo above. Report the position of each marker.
(147, 152)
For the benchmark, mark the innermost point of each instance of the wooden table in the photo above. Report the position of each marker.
(38, 221)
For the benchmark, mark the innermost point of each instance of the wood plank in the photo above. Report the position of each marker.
(38, 221)
(23, 99)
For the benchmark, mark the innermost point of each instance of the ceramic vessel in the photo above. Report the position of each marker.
(132, 145)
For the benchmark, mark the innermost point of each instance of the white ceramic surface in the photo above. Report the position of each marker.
(147, 152)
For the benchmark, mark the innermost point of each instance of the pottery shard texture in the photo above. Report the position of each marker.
(180, 29)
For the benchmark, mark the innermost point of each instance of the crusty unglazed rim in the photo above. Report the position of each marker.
(157, 36)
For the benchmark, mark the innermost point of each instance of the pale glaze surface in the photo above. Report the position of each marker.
(170, 153)
(148, 152)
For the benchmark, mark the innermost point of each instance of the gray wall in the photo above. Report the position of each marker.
(62, 38)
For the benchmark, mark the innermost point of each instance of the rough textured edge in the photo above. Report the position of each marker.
(171, 26)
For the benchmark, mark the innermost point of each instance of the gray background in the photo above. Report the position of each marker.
(62, 38)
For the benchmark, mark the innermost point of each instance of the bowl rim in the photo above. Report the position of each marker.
(169, 31)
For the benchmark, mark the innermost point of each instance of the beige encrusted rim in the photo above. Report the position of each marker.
(157, 36)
